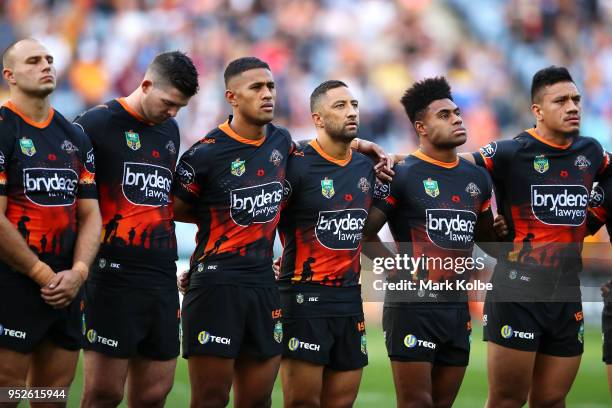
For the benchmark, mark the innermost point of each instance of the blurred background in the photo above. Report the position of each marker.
(488, 49)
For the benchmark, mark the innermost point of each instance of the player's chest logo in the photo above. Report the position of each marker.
(27, 146)
(276, 157)
(171, 147)
(327, 188)
(364, 185)
(473, 190)
(132, 139)
(68, 147)
(540, 164)
(582, 163)
(237, 168)
(431, 187)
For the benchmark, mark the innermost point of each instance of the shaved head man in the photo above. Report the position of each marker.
(49, 221)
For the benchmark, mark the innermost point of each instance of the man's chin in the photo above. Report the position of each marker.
(263, 120)
(42, 92)
(572, 132)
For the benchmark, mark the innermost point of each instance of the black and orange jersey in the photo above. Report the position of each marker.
(542, 190)
(327, 204)
(432, 209)
(235, 186)
(45, 167)
(135, 162)
(600, 207)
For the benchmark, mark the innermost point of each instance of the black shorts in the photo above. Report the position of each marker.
(553, 328)
(126, 322)
(25, 319)
(228, 321)
(335, 342)
(435, 333)
(606, 328)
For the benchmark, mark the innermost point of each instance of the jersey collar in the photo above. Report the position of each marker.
(40, 125)
(227, 129)
(532, 132)
(420, 155)
(340, 162)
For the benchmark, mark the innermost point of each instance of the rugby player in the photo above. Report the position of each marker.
(437, 205)
(533, 317)
(131, 317)
(328, 196)
(231, 184)
(600, 213)
(49, 223)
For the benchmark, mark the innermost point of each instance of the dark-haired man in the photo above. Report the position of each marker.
(131, 317)
(328, 196)
(542, 178)
(47, 189)
(231, 184)
(437, 206)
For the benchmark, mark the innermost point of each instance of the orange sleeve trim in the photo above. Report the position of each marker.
(391, 201)
(340, 162)
(227, 129)
(132, 112)
(605, 163)
(599, 213)
(420, 155)
(486, 205)
(533, 133)
(487, 161)
(40, 125)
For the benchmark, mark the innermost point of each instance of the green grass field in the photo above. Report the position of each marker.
(590, 389)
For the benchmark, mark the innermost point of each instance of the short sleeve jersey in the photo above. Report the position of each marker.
(235, 186)
(135, 161)
(600, 207)
(432, 209)
(327, 204)
(45, 167)
(542, 190)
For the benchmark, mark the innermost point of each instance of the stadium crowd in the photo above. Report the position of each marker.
(487, 49)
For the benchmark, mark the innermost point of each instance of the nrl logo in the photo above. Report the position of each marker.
(238, 168)
(278, 332)
(327, 188)
(132, 139)
(540, 164)
(27, 146)
(431, 187)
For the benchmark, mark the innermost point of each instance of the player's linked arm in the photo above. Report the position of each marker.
(489, 232)
(374, 247)
(183, 212)
(15, 252)
(384, 161)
